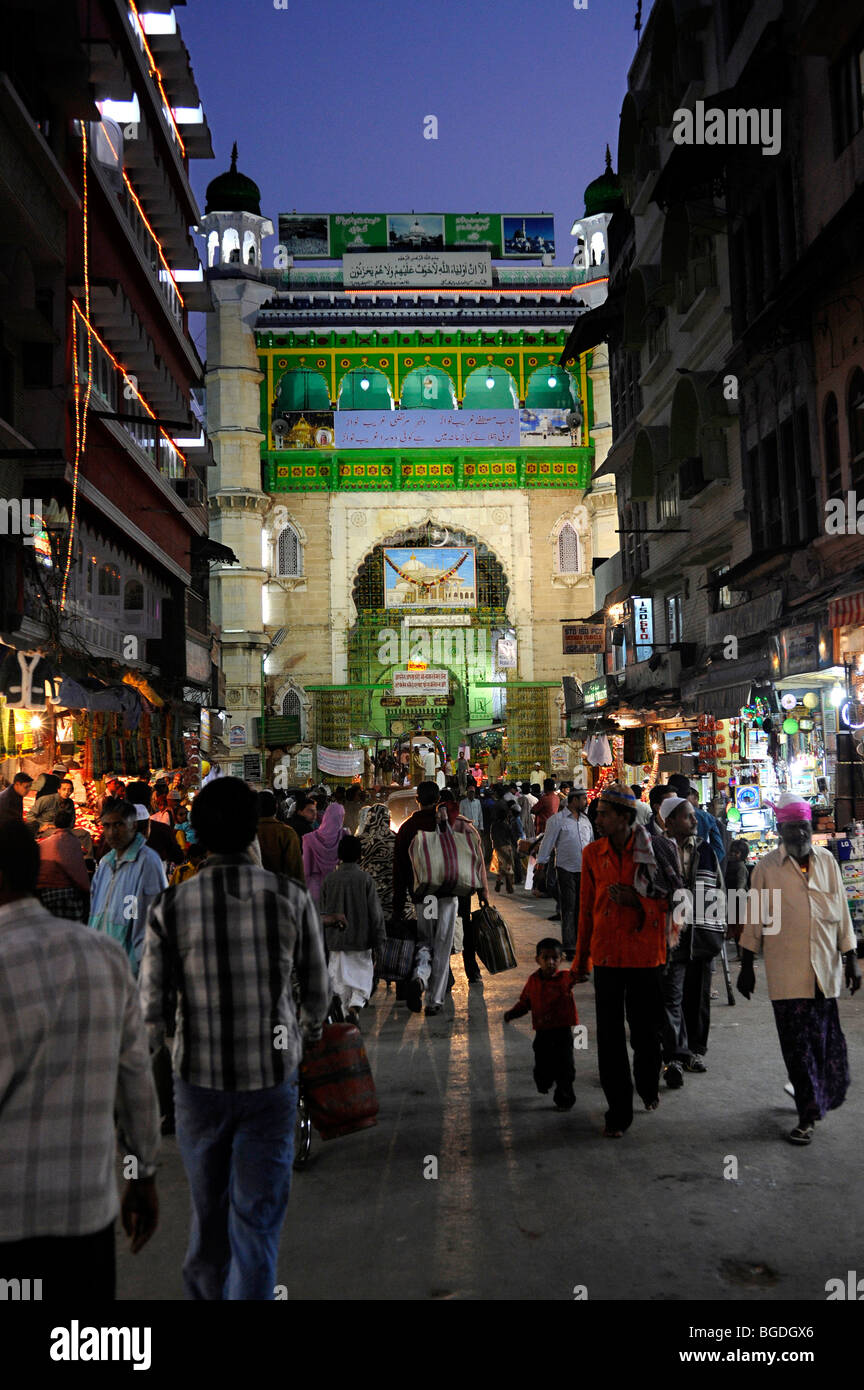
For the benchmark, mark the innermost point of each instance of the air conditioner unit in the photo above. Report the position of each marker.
(691, 477)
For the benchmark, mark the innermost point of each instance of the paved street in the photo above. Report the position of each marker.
(529, 1203)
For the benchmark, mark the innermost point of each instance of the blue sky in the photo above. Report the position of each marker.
(327, 99)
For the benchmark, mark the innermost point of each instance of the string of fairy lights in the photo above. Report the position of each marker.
(82, 320)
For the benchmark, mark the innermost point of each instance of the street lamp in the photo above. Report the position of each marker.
(275, 641)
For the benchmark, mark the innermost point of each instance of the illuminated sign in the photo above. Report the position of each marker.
(329, 236)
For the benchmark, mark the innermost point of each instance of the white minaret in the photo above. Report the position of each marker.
(591, 252)
(234, 229)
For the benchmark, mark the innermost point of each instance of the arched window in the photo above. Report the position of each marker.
(550, 387)
(291, 707)
(133, 596)
(213, 248)
(250, 250)
(831, 442)
(289, 555)
(568, 550)
(109, 582)
(231, 246)
(855, 416)
(365, 388)
(490, 388)
(428, 388)
(302, 389)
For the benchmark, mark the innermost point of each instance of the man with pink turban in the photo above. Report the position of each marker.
(807, 945)
(319, 849)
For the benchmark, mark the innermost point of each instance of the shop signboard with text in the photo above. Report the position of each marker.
(595, 693)
(583, 638)
(643, 627)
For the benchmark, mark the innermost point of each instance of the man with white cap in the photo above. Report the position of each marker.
(159, 836)
(807, 952)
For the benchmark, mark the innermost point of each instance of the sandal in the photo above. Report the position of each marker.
(613, 1133)
(801, 1134)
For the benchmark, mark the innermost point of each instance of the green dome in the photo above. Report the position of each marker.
(604, 193)
(233, 192)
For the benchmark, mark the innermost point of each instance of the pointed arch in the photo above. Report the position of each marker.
(502, 394)
(288, 552)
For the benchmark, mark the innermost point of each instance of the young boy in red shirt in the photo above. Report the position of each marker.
(548, 994)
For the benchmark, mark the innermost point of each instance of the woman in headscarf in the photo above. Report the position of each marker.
(319, 849)
(377, 842)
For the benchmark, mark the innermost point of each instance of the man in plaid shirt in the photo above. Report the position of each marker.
(73, 1049)
(219, 952)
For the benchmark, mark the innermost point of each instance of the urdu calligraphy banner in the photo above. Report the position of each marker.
(409, 269)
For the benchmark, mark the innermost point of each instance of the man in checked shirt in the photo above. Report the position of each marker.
(73, 1050)
(219, 951)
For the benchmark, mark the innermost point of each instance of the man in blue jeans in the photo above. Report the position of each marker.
(219, 953)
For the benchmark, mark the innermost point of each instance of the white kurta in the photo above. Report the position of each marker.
(815, 928)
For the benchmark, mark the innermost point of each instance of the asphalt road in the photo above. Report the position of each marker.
(532, 1204)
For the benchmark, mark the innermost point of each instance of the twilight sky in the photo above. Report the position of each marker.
(326, 100)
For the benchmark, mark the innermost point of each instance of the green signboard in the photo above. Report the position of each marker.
(327, 236)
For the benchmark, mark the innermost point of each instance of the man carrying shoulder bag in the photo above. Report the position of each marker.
(414, 872)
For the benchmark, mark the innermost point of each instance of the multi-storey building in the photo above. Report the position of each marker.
(99, 420)
(734, 324)
(363, 433)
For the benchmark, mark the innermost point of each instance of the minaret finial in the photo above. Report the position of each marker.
(608, 158)
(234, 158)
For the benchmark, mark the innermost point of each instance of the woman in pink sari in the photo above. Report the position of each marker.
(319, 849)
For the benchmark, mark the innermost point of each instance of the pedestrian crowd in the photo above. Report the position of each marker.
(226, 928)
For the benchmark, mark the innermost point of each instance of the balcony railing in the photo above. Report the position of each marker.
(115, 391)
(151, 250)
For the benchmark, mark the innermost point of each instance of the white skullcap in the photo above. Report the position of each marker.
(671, 804)
(141, 813)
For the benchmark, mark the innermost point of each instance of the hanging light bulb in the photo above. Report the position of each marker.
(490, 382)
(837, 695)
(364, 383)
(553, 381)
(35, 722)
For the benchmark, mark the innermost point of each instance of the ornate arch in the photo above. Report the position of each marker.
(578, 519)
(493, 583)
(292, 687)
(275, 520)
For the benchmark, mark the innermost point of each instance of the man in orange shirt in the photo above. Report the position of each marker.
(624, 933)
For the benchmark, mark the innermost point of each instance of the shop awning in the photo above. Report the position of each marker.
(848, 611)
(726, 702)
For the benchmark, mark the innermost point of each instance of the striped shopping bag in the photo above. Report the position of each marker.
(447, 862)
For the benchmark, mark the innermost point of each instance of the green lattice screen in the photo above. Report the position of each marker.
(527, 729)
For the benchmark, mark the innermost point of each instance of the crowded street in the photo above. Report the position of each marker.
(529, 1204)
(431, 678)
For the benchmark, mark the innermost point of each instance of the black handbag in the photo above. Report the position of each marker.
(494, 943)
(395, 959)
